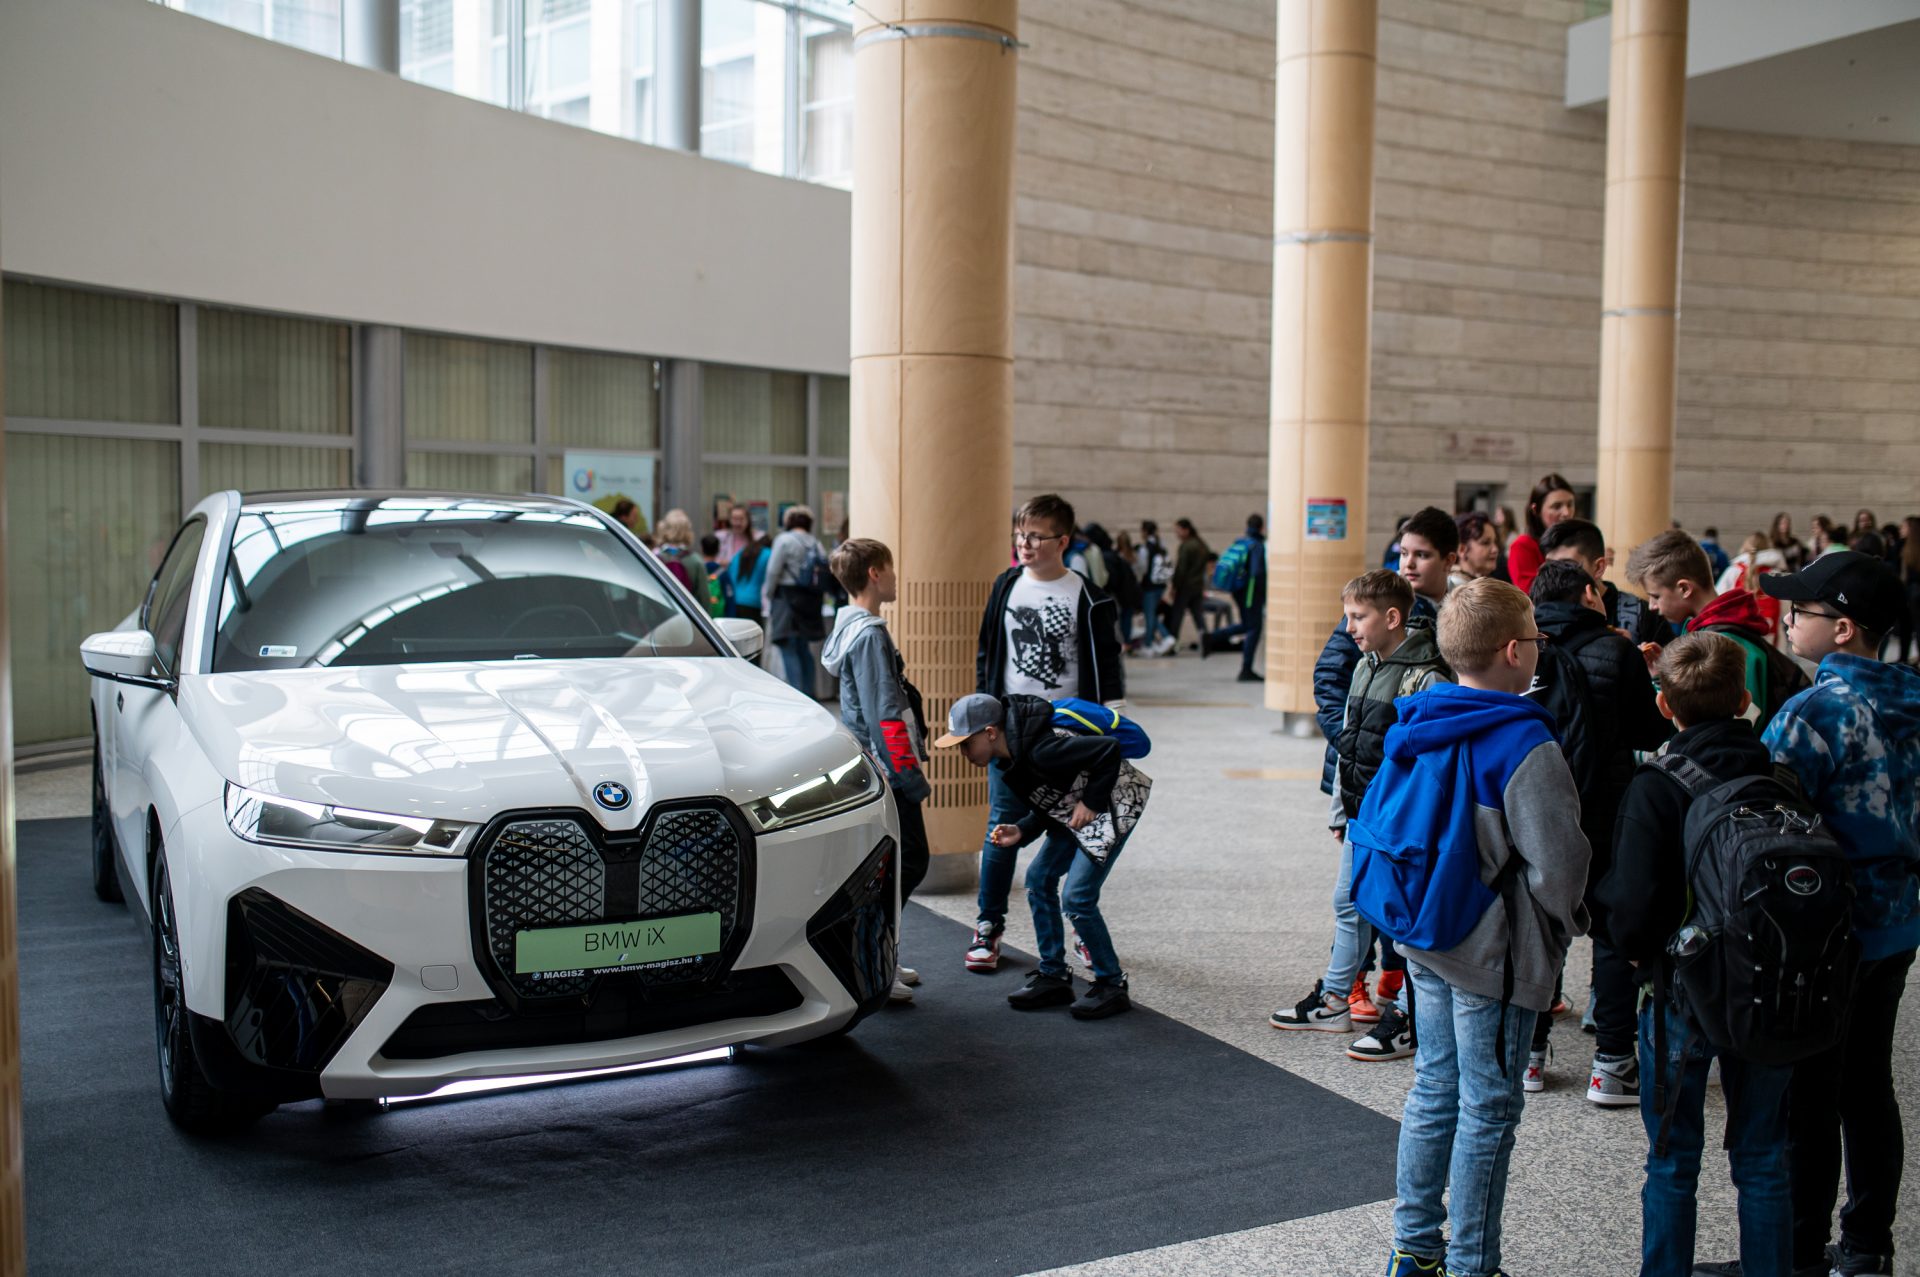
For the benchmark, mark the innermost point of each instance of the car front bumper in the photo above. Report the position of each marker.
(364, 976)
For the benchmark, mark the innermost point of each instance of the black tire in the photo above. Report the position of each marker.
(194, 1103)
(106, 880)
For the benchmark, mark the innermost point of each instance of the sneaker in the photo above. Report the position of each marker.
(1389, 987)
(1327, 1015)
(1391, 1039)
(1403, 1263)
(907, 976)
(1732, 1268)
(1248, 676)
(1102, 999)
(1560, 1006)
(1080, 951)
(1534, 1080)
(1848, 1262)
(1359, 1005)
(900, 993)
(1614, 1083)
(1042, 990)
(984, 953)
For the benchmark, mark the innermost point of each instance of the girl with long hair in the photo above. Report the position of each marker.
(1552, 500)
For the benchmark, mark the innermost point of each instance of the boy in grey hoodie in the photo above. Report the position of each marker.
(879, 705)
(1467, 851)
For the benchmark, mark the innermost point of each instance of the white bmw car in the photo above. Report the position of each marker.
(419, 788)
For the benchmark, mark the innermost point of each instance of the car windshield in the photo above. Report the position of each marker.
(425, 580)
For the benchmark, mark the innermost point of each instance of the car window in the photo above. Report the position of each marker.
(424, 580)
(166, 617)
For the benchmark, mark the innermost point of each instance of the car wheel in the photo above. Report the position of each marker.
(106, 882)
(193, 1102)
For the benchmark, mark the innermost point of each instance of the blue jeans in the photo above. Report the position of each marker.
(796, 655)
(1060, 856)
(1756, 1143)
(1004, 807)
(1457, 1128)
(1150, 610)
(1352, 934)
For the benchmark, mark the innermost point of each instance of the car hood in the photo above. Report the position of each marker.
(465, 742)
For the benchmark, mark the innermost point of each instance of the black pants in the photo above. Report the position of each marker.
(1848, 1091)
(914, 852)
(1185, 605)
(1616, 992)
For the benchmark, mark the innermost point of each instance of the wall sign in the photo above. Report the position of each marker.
(1326, 518)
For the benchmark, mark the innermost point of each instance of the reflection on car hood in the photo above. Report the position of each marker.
(463, 742)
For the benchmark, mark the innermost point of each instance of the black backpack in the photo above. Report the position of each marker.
(1123, 583)
(1784, 678)
(1764, 962)
(1561, 688)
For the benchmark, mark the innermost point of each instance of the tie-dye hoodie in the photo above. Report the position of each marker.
(1854, 740)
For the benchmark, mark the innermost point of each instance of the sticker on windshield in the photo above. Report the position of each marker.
(277, 650)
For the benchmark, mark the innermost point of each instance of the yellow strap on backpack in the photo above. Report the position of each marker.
(1088, 724)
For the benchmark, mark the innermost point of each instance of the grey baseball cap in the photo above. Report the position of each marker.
(971, 714)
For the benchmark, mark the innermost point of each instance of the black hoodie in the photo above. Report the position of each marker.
(1097, 628)
(1044, 758)
(1643, 898)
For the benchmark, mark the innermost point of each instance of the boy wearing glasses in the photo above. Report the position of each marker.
(1050, 633)
(1853, 739)
(1468, 852)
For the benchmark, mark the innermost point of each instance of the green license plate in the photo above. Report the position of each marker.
(605, 945)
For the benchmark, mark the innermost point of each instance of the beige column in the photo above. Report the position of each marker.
(1640, 285)
(1322, 346)
(13, 1210)
(932, 346)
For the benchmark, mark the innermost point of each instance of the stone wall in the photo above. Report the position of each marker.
(1144, 271)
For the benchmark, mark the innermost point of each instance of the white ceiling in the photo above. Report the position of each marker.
(1864, 88)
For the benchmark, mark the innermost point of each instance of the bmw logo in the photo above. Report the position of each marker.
(612, 795)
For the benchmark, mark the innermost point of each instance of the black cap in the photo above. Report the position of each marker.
(1853, 584)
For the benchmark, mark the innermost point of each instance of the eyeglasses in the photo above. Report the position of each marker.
(1795, 612)
(1034, 538)
(1539, 642)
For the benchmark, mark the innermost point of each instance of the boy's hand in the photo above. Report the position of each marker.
(1339, 833)
(1082, 816)
(1651, 653)
(1005, 835)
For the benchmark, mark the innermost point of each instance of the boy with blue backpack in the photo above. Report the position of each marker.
(1468, 853)
(1242, 573)
(1067, 763)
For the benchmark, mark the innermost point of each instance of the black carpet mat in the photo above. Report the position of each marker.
(953, 1137)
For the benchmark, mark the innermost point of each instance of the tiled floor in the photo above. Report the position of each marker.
(1219, 909)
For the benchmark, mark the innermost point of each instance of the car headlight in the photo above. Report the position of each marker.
(288, 822)
(840, 789)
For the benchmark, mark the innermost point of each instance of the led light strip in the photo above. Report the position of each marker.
(482, 1085)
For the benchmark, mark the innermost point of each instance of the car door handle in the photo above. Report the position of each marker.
(120, 700)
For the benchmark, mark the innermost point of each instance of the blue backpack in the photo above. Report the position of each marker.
(1234, 572)
(1090, 718)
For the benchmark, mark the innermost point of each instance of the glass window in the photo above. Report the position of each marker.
(466, 390)
(751, 410)
(833, 511)
(273, 467)
(826, 102)
(313, 25)
(743, 71)
(641, 24)
(87, 523)
(604, 401)
(457, 45)
(421, 581)
(469, 472)
(835, 417)
(90, 356)
(561, 75)
(777, 486)
(265, 372)
(166, 611)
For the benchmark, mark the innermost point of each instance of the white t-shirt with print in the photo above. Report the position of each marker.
(1043, 636)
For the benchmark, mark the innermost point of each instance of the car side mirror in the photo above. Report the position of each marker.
(125, 656)
(748, 639)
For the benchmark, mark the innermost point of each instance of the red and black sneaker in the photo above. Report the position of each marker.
(983, 954)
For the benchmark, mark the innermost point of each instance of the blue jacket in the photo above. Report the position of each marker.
(1333, 679)
(1853, 738)
(1474, 783)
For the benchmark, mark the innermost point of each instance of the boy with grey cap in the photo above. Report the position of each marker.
(1086, 798)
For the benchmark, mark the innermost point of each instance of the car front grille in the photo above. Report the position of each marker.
(558, 869)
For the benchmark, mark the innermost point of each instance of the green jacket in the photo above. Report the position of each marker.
(1190, 567)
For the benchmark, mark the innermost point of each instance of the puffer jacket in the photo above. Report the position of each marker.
(1333, 679)
(1378, 681)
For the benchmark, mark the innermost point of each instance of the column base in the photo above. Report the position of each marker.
(952, 874)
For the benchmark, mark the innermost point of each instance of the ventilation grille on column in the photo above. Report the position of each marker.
(937, 624)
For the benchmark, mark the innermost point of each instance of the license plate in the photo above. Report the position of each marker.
(603, 945)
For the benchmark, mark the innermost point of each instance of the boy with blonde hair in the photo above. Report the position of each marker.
(1468, 853)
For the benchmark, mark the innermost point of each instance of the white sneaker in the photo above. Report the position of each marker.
(1315, 1012)
(900, 993)
(1535, 1079)
(1614, 1084)
(907, 976)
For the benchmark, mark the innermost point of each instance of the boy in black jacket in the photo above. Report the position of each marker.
(1047, 632)
(1703, 689)
(1085, 799)
(1622, 717)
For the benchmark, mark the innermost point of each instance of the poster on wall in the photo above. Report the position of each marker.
(1326, 518)
(601, 479)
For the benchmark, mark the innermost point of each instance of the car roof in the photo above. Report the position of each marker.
(368, 497)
